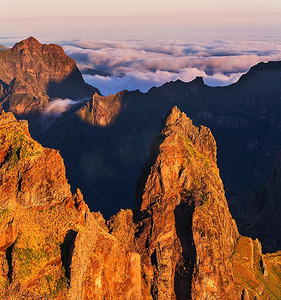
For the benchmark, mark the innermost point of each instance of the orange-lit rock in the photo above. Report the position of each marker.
(186, 233)
(181, 243)
(51, 245)
(8, 231)
(36, 72)
(101, 268)
(30, 174)
(101, 111)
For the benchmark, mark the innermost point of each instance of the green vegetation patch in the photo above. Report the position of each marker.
(250, 276)
(52, 286)
(21, 147)
(4, 214)
(29, 261)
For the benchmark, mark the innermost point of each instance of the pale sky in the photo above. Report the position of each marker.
(90, 8)
(58, 16)
(219, 25)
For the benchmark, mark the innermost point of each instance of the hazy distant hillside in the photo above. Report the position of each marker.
(3, 48)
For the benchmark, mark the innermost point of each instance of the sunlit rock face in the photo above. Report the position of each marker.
(30, 174)
(51, 245)
(181, 243)
(188, 242)
(36, 72)
(186, 231)
(101, 111)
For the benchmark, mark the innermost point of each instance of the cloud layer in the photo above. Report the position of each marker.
(112, 66)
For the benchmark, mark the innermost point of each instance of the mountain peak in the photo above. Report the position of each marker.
(177, 122)
(30, 42)
(182, 197)
(7, 117)
(175, 116)
(43, 71)
(101, 111)
(175, 111)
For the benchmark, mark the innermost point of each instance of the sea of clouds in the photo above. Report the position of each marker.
(141, 63)
(112, 66)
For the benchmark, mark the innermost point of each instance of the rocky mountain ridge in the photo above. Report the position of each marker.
(182, 242)
(106, 140)
(244, 114)
(48, 235)
(183, 199)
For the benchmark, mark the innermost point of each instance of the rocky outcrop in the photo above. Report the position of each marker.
(101, 111)
(101, 267)
(8, 231)
(35, 73)
(185, 233)
(256, 275)
(34, 217)
(187, 240)
(30, 174)
(51, 246)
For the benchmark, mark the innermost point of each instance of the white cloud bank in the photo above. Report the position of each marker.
(131, 65)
